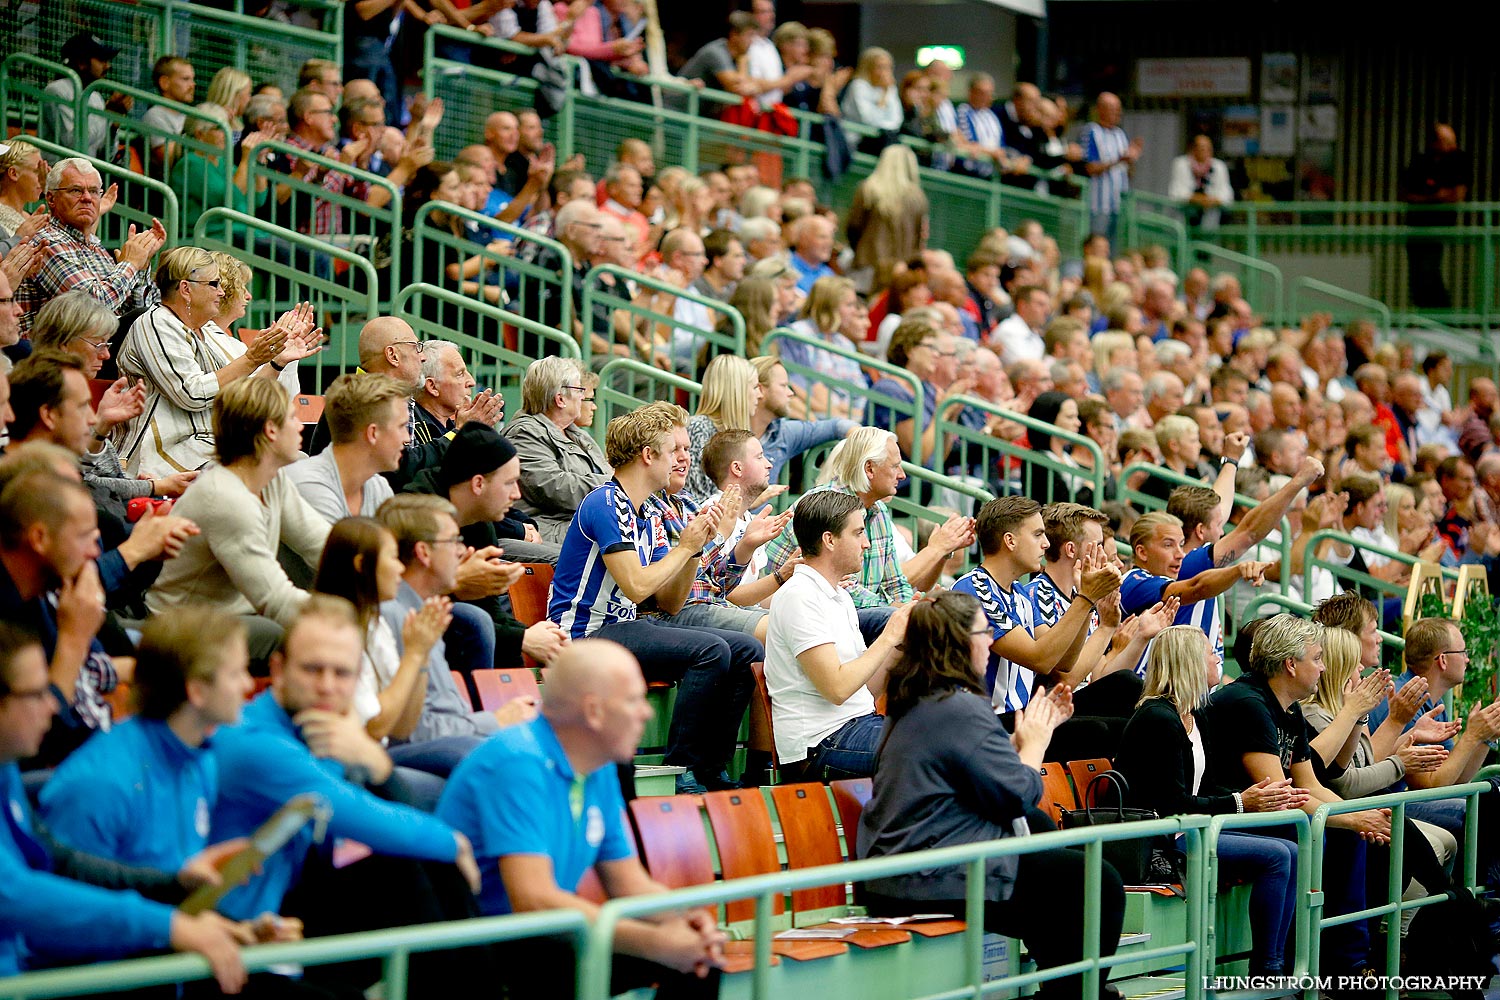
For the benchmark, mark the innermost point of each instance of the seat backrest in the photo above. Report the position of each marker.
(742, 829)
(811, 839)
(1057, 794)
(462, 683)
(528, 595)
(760, 708)
(851, 796)
(1083, 772)
(496, 687)
(309, 408)
(674, 845)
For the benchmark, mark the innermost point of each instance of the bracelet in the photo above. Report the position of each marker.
(776, 574)
(275, 367)
(1239, 802)
(1092, 603)
(1226, 460)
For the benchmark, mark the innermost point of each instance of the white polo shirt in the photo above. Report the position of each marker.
(808, 611)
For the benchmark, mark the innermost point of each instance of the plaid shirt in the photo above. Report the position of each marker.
(718, 573)
(327, 217)
(881, 580)
(75, 262)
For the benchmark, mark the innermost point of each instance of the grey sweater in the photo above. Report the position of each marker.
(946, 775)
(1364, 776)
(558, 469)
(444, 712)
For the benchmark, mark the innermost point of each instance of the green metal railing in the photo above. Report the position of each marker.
(132, 130)
(472, 93)
(1168, 231)
(1352, 579)
(1472, 354)
(1015, 469)
(508, 280)
(930, 492)
(1309, 294)
(1208, 906)
(362, 227)
(606, 305)
(138, 196)
(394, 947)
(974, 858)
(23, 91)
(1391, 645)
(477, 328)
(1396, 880)
(291, 268)
(1262, 283)
(625, 383)
(862, 398)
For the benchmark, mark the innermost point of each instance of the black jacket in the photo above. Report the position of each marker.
(1156, 758)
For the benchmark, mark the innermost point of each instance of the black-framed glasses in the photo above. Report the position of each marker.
(210, 282)
(7, 300)
(1454, 652)
(30, 694)
(578, 387)
(421, 348)
(455, 540)
(588, 399)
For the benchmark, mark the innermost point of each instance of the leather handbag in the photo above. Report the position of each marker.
(1144, 861)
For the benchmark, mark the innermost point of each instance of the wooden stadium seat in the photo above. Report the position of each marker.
(462, 683)
(1057, 794)
(674, 849)
(1083, 772)
(496, 687)
(121, 705)
(742, 831)
(851, 795)
(309, 408)
(528, 596)
(97, 388)
(762, 737)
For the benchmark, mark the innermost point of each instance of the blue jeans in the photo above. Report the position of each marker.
(436, 757)
(872, 622)
(849, 752)
(368, 57)
(731, 617)
(1269, 864)
(470, 640)
(711, 668)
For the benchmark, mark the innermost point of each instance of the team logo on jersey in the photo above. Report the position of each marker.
(593, 831)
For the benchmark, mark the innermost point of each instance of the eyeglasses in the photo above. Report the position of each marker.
(211, 282)
(614, 239)
(578, 387)
(78, 192)
(7, 300)
(980, 631)
(421, 349)
(455, 540)
(1454, 652)
(97, 346)
(588, 399)
(320, 111)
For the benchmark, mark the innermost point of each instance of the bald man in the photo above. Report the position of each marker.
(541, 802)
(1109, 157)
(502, 133)
(389, 346)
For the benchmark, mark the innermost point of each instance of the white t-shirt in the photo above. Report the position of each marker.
(806, 612)
(764, 63)
(1017, 341)
(377, 669)
(1200, 759)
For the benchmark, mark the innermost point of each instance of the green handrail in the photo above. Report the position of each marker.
(394, 946)
(1256, 821)
(1462, 346)
(899, 411)
(1392, 642)
(597, 295)
(12, 85)
(1394, 906)
(913, 511)
(366, 222)
(500, 362)
(430, 240)
(257, 245)
(1252, 269)
(282, 46)
(1175, 232)
(609, 398)
(1029, 459)
(129, 124)
(595, 981)
(1303, 286)
(112, 226)
(1342, 572)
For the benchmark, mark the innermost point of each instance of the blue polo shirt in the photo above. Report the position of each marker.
(808, 272)
(585, 596)
(262, 765)
(43, 911)
(136, 794)
(518, 794)
(1010, 684)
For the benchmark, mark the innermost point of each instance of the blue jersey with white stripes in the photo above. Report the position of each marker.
(585, 596)
(1010, 683)
(1106, 145)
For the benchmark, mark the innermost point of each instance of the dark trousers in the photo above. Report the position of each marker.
(711, 668)
(1045, 910)
(543, 969)
(1424, 268)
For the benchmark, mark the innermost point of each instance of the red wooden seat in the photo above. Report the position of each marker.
(309, 408)
(462, 683)
(851, 795)
(1057, 794)
(496, 687)
(1083, 772)
(528, 595)
(742, 830)
(762, 737)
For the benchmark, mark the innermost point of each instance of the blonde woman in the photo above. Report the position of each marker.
(184, 368)
(230, 90)
(1163, 756)
(731, 394)
(1337, 712)
(887, 219)
(871, 97)
(832, 314)
(1408, 520)
(235, 281)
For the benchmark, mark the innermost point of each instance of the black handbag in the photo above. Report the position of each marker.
(1144, 861)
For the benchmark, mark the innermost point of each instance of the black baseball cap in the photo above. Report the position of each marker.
(85, 46)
